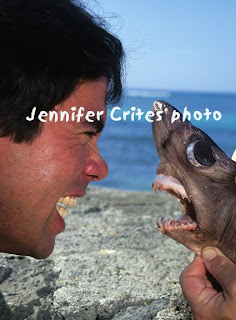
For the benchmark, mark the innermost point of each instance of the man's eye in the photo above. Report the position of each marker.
(91, 133)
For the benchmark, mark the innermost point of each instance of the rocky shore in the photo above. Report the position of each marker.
(110, 263)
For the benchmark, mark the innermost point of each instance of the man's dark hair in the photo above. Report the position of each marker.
(47, 47)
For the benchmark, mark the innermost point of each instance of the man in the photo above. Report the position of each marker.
(54, 56)
(206, 302)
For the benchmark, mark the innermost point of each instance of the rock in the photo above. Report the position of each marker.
(110, 263)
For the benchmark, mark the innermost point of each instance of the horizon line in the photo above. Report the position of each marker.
(128, 88)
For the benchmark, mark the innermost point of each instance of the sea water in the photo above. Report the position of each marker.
(128, 146)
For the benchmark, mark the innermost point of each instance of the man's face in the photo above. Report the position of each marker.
(60, 162)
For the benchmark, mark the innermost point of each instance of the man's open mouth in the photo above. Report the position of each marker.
(188, 221)
(64, 205)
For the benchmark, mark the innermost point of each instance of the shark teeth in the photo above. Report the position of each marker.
(168, 225)
(64, 204)
(171, 185)
(187, 222)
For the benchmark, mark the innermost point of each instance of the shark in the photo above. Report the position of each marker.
(193, 169)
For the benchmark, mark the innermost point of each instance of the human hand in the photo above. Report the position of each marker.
(205, 302)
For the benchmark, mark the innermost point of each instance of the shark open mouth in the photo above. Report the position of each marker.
(188, 221)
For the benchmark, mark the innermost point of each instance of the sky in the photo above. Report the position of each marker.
(175, 44)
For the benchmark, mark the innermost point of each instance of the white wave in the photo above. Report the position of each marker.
(145, 93)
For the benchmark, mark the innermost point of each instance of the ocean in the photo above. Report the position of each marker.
(128, 146)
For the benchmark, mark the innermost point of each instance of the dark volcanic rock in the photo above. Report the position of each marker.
(110, 263)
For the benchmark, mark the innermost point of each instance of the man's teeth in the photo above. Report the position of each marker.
(68, 201)
(64, 204)
(62, 211)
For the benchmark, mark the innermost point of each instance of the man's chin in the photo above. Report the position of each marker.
(37, 247)
(37, 252)
(42, 253)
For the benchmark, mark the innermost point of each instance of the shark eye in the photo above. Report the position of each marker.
(200, 154)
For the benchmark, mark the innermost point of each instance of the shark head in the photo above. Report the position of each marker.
(202, 177)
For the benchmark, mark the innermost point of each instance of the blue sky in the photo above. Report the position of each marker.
(175, 44)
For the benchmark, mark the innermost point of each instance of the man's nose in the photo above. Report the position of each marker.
(96, 168)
